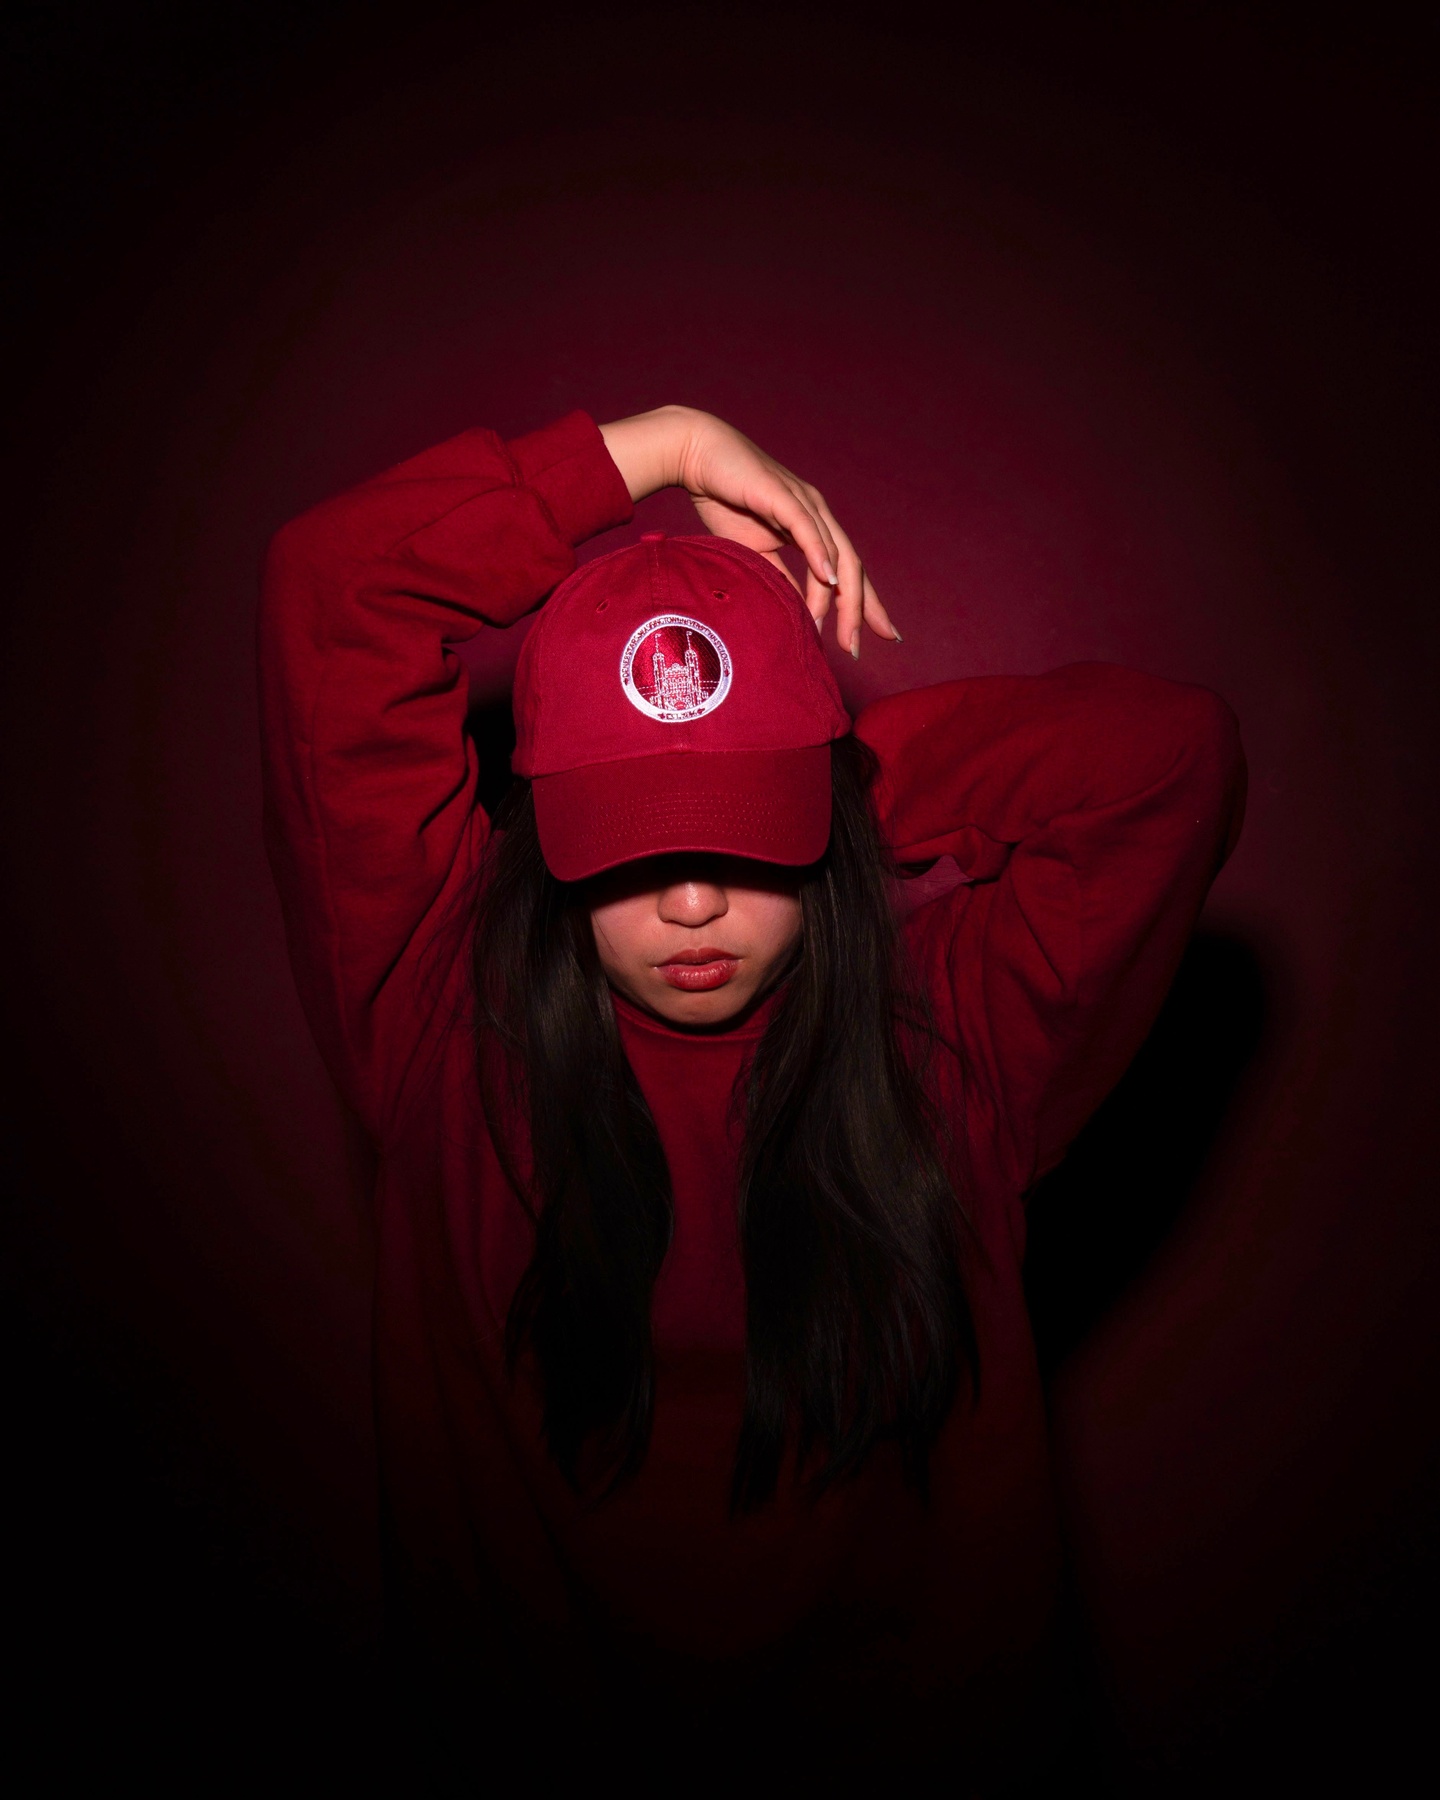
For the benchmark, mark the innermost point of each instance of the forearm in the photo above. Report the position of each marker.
(1008, 758)
(1091, 808)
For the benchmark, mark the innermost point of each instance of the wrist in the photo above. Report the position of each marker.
(648, 448)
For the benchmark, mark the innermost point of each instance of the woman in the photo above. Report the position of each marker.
(706, 1396)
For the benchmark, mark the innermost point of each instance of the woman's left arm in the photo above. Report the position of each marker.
(1090, 809)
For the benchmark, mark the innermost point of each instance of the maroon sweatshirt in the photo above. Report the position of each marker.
(1088, 811)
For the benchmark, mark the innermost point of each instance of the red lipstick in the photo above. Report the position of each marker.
(695, 971)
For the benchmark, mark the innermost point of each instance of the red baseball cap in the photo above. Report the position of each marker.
(673, 696)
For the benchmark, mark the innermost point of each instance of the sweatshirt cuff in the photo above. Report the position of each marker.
(570, 469)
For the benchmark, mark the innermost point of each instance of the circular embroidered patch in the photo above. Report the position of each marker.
(674, 669)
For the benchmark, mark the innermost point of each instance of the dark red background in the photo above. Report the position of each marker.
(1108, 336)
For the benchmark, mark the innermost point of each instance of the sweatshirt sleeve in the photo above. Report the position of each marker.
(371, 820)
(1088, 810)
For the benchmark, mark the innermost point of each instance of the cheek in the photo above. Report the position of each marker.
(619, 932)
(777, 924)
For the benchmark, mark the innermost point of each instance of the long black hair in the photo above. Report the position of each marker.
(857, 1324)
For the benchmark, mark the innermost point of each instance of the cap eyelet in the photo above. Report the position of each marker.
(719, 594)
(601, 605)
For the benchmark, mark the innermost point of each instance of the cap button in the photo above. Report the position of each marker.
(652, 537)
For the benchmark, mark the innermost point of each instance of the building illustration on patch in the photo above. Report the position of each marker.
(676, 688)
(675, 669)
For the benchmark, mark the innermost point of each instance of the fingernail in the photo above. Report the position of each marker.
(898, 638)
(855, 646)
(830, 576)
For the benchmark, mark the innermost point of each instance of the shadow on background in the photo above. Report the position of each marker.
(1097, 1220)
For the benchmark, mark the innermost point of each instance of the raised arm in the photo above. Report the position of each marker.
(370, 814)
(1090, 809)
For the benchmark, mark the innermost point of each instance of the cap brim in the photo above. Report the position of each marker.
(772, 805)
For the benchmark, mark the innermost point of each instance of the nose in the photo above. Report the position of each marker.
(692, 903)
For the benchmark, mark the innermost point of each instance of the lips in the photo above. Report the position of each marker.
(695, 971)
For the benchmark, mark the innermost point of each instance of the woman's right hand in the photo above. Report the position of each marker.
(743, 494)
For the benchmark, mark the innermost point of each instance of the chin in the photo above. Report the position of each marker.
(711, 1008)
